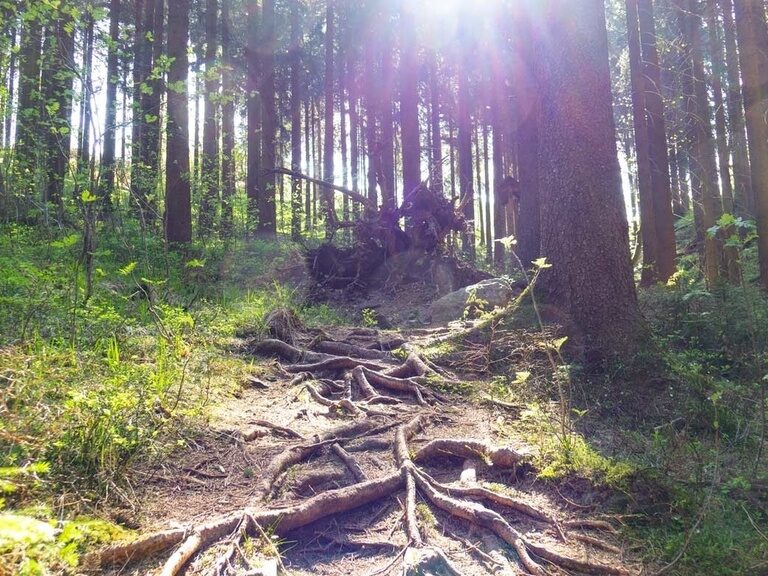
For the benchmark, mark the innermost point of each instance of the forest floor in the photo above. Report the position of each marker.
(347, 406)
(373, 441)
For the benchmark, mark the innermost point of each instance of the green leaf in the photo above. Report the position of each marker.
(21, 530)
(195, 263)
(559, 342)
(726, 220)
(521, 377)
(128, 268)
(86, 196)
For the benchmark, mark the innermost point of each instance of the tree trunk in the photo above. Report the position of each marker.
(295, 55)
(328, 202)
(464, 124)
(354, 118)
(228, 177)
(267, 209)
(700, 141)
(253, 73)
(178, 206)
(210, 164)
(143, 172)
(650, 271)
(528, 233)
(478, 179)
(29, 109)
(107, 178)
(342, 60)
(583, 218)
(57, 86)
(308, 158)
(666, 249)
(409, 99)
(487, 175)
(730, 254)
(371, 101)
(744, 199)
(386, 100)
(84, 133)
(753, 53)
(436, 175)
(10, 89)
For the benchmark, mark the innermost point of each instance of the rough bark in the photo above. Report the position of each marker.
(744, 200)
(328, 164)
(228, 177)
(464, 144)
(107, 178)
(210, 160)
(253, 139)
(178, 208)
(409, 99)
(666, 250)
(583, 220)
(57, 86)
(699, 135)
(28, 116)
(296, 199)
(387, 180)
(649, 237)
(753, 53)
(528, 231)
(436, 172)
(267, 224)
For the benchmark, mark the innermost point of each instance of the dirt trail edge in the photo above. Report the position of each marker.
(403, 478)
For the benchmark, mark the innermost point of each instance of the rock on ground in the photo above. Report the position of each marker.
(485, 295)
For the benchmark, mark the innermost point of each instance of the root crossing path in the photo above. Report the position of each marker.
(348, 460)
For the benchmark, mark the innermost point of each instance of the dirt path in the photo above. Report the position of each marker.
(347, 456)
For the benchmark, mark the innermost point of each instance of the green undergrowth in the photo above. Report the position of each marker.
(559, 452)
(92, 385)
(33, 542)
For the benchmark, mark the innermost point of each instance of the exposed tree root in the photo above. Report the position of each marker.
(360, 381)
(505, 457)
(344, 349)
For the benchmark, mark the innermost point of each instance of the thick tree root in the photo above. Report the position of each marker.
(362, 382)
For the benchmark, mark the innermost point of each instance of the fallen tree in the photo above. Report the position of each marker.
(382, 247)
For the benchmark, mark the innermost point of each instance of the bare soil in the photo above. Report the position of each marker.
(305, 429)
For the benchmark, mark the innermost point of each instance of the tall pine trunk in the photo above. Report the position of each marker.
(436, 175)
(744, 204)
(528, 113)
(464, 125)
(409, 99)
(649, 237)
(328, 194)
(29, 111)
(210, 164)
(753, 53)
(107, 177)
(666, 249)
(700, 141)
(178, 206)
(296, 95)
(57, 86)
(267, 183)
(583, 219)
(228, 177)
(253, 74)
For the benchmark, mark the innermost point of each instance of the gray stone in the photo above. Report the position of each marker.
(488, 294)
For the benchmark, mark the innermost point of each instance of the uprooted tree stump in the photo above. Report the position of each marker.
(388, 407)
(381, 248)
